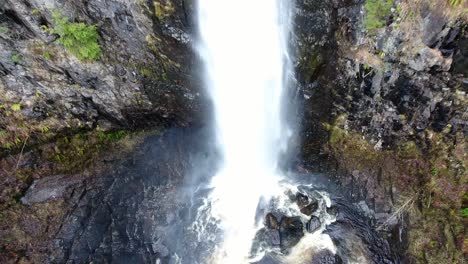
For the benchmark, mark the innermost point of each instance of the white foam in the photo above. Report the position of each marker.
(243, 46)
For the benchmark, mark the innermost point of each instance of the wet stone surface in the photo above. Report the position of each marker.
(290, 234)
(140, 212)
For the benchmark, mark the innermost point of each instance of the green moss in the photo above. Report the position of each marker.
(163, 10)
(408, 150)
(147, 72)
(35, 12)
(377, 13)
(16, 107)
(352, 150)
(74, 153)
(112, 136)
(79, 39)
(310, 65)
(16, 58)
(47, 55)
(314, 63)
(464, 212)
(3, 30)
(455, 2)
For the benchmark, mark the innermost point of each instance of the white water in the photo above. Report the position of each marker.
(243, 45)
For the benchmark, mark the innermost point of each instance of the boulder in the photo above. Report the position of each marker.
(302, 200)
(310, 208)
(291, 231)
(313, 224)
(271, 221)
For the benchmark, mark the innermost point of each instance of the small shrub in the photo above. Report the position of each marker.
(111, 136)
(16, 107)
(35, 12)
(3, 30)
(377, 13)
(47, 55)
(162, 11)
(464, 212)
(44, 129)
(79, 39)
(16, 58)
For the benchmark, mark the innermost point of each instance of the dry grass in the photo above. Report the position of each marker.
(411, 9)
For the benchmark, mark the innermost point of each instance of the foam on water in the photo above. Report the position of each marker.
(243, 46)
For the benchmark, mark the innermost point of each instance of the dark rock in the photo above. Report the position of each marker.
(291, 231)
(310, 208)
(333, 211)
(302, 200)
(50, 188)
(291, 196)
(273, 237)
(271, 222)
(128, 212)
(324, 257)
(265, 239)
(313, 224)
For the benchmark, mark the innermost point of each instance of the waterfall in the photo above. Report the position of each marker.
(243, 46)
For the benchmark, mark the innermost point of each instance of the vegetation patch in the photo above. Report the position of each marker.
(78, 151)
(163, 10)
(16, 58)
(378, 12)
(79, 39)
(16, 131)
(431, 176)
(455, 2)
(3, 30)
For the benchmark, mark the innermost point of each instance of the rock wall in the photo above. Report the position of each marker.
(144, 76)
(64, 121)
(387, 107)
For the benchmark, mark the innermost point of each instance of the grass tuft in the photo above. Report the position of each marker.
(377, 13)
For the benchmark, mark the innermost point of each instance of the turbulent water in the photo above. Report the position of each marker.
(252, 213)
(155, 206)
(243, 45)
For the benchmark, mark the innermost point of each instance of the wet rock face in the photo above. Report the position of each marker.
(139, 211)
(143, 78)
(283, 227)
(399, 89)
(291, 231)
(290, 236)
(313, 224)
(307, 205)
(49, 188)
(131, 207)
(325, 257)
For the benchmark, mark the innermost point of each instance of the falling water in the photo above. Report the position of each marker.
(243, 45)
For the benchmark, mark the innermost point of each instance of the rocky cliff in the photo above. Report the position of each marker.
(142, 74)
(383, 111)
(77, 78)
(385, 98)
